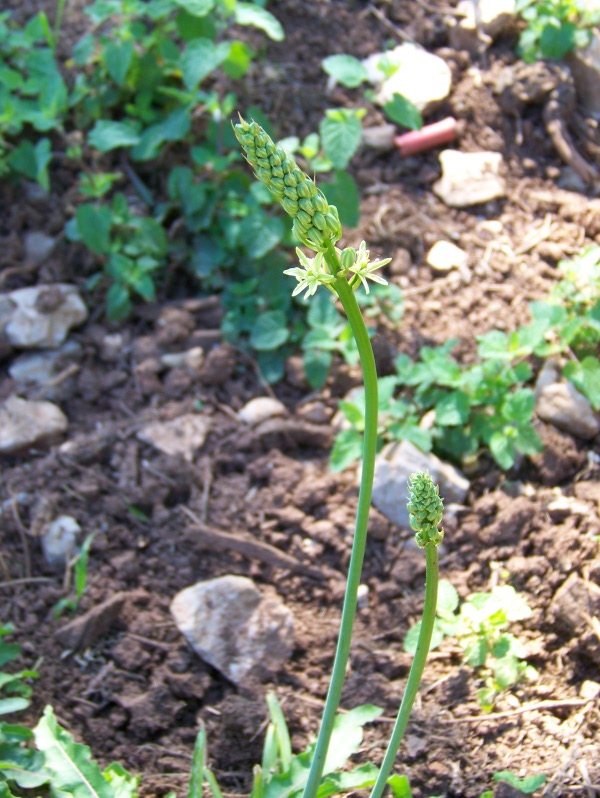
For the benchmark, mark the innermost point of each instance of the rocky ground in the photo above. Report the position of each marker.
(152, 447)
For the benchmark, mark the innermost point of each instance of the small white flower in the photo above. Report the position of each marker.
(311, 273)
(363, 268)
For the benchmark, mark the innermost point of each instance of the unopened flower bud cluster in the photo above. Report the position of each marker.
(425, 509)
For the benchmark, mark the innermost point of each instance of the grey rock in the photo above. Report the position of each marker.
(469, 178)
(260, 409)
(233, 627)
(40, 317)
(561, 404)
(39, 369)
(184, 435)
(38, 247)
(25, 423)
(59, 541)
(393, 467)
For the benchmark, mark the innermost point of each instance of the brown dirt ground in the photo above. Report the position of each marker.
(137, 694)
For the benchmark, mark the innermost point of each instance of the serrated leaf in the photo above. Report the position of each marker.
(269, 331)
(343, 192)
(118, 56)
(347, 735)
(257, 17)
(317, 363)
(400, 786)
(527, 785)
(453, 409)
(341, 134)
(93, 225)
(197, 8)
(200, 58)
(346, 69)
(403, 112)
(586, 376)
(447, 602)
(107, 135)
(70, 763)
(347, 448)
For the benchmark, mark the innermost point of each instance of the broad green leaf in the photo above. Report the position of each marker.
(70, 763)
(502, 449)
(261, 233)
(527, 785)
(272, 365)
(119, 56)
(476, 653)
(448, 599)
(400, 786)
(93, 225)
(322, 312)
(412, 637)
(118, 303)
(586, 376)
(354, 414)
(317, 363)
(270, 331)
(238, 61)
(506, 671)
(343, 192)
(14, 704)
(518, 406)
(347, 448)
(346, 69)
(123, 783)
(403, 112)
(452, 410)
(174, 128)
(32, 161)
(338, 783)
(200, 58)
(107, 135)
(347, 735)
(197, 8)
(341, 133)
(557, 40)
(257, 17)
(9, 651)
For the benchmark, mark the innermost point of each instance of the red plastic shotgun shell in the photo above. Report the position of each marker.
(429, 136)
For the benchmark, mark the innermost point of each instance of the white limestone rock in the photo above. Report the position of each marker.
(41, 316)
(235, 628)
(393, 467)
(59, 541)
(26, 423)
(261, 409)
(434, 76)
(445, 256)
(469, 178)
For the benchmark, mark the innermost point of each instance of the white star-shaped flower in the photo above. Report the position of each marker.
(311, 273)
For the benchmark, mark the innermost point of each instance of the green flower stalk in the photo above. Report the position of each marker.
(316, 224)
(426, 508)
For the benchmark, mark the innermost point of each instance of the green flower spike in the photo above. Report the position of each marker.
(425, 509)
(315, 221)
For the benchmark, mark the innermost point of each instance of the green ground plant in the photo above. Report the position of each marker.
(481, 625)
(554, 28)
(488, 405)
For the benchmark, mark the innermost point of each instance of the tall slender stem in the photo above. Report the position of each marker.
(342, 654)
(416, 670)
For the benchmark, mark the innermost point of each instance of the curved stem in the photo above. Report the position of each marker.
(416, 669)
(342, 653)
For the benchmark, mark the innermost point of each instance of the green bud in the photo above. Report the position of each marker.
(425, 509)
(348, 258)
(298, 195)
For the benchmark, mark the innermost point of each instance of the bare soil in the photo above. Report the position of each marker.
(137, 692)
